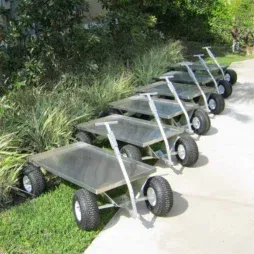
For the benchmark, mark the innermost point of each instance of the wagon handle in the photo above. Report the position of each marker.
(150, 94)
(186, 63)
(199, 55)
(210, 53)
(114, 145)
(104, 123)
(193, 76)
(158, 120)
(176, 96)
(203, 62)
(207, 47)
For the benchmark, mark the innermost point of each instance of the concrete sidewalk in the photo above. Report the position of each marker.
(214, 201)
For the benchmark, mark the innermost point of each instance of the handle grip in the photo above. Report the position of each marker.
(148, 94)
(166, 76)
(105, 123)
(198, 55)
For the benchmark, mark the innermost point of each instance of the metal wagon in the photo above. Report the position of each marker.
(139, 137)
(98, 171)
(174, 112)
(203, 96)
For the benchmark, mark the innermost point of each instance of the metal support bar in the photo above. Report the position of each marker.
(173, 91)
(209, 72)
(115, 147)
(192, 75)
(158, 120)
(210, 53)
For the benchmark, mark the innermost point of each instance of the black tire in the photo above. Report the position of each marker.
(219, 103)
(109, 112)
(32, 180)
(226, 87)
(190, 157)
(201, 122)
(163, 193)
(131, 152)
(89, 212)
(83, 137)
(231, 76)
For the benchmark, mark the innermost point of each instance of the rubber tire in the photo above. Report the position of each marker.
(132, 152)
(36, 178)
(90, 217)
(227, 87)
(220, 103)
(109, 112)
(205, 122)
(233, 76)
(83, 137)
(164, 195)
(191, 150)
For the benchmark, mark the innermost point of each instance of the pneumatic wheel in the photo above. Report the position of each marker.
(32, 180)
(225, 88)
(109, 112)
(187, 151)
(200, 122)
(85, 209)
(216, 103)
(231, 76)
(83, 137)
(159, 196)
(132, 152)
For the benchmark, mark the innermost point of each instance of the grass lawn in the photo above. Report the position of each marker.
(230, 58)
(46, 225)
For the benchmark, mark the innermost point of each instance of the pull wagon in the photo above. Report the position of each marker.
(216, 69)
(98, 171)
(138, 137)
(204, 97)
(187, 115)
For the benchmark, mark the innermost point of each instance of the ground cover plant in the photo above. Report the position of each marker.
(43, 118)
(48, 84)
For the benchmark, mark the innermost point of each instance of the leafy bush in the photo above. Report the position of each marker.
(43, 119)
(227, 15)
(156, 61)
(11, 161)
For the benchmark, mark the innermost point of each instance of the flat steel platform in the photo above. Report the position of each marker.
(166, 109)
(197, 67)
(184, 77)
(89, 167)
(131, 130)
(184, 91)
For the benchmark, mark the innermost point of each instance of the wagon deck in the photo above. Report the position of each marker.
(130, 130)
(184, 91)
(197, 67)
(89, 167)
(184, 77)
(166, 109)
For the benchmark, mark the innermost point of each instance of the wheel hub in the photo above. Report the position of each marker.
(196, 123)
(124, 155)
(151, 195)
(221, 89)
(77, 210)
(212, 104)
(27, 184)
(181, 152)
(227, 77)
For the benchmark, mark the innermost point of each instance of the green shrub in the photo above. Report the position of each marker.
(11, 161)
(155, 61)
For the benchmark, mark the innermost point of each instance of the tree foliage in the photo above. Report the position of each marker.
(227, 15)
